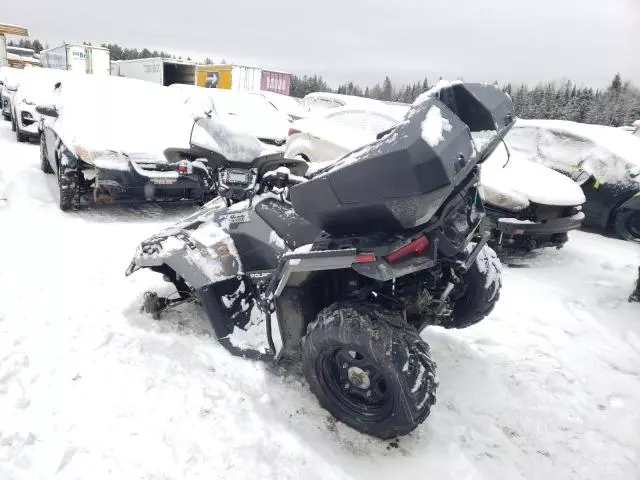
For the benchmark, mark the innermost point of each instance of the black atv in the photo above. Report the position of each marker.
(344, 267)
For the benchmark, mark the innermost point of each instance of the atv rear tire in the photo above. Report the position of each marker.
(69, 188)
(370, 369)
(480, 292)
(627, 225)
(44, 163)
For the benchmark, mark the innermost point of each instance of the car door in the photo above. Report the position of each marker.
(336, 134)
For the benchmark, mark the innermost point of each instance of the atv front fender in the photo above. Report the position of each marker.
(201, 253)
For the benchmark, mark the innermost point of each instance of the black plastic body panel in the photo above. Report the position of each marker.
(401, 180)
(395, 183)
(253, 237)
(291, 227)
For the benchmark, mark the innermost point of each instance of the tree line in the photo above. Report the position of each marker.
(616, 105)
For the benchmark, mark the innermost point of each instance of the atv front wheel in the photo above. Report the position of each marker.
(627, 225)
(370, 369)
(479, 292)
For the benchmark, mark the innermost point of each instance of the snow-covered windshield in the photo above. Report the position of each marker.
(233, 103)
(235, 145)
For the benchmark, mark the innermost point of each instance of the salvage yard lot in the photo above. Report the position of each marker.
(547, 387)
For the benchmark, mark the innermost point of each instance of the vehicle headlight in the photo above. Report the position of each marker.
(507, 199)
(82, 153)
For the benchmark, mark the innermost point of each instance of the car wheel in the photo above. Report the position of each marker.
(13, 124)
(68, 188)
(21, 137)
(44, 162)
(627, 225)
(7, 117)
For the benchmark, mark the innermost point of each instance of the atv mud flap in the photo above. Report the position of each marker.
(238, 323)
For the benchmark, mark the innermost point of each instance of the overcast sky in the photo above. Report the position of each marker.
(364, 40)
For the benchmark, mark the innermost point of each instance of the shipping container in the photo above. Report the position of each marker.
(77, 58)
(163, 71)
(274, 81)
(230, 77)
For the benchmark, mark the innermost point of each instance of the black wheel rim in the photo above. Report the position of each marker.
(633, 225)
(355, 383)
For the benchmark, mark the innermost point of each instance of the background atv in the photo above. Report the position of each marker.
(344, 268)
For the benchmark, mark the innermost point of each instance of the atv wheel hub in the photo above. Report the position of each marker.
(359, 378)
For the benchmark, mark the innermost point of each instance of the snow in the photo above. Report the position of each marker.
(434, 126)
(482, 138)
(276, 241)
(609, 154)
(546, 388)
(537, 183)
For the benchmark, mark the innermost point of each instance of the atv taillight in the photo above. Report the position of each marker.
(417, 246)
(365, 257)
(293, 131)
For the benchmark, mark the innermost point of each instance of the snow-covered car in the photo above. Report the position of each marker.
(9, 80)
(329, 134)
(37, 85)
(245, 111)
(528, 205)
(290, 106)
(322, 101)
(121, 140)
(605, 161)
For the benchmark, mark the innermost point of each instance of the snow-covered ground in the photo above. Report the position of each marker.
(548, 387)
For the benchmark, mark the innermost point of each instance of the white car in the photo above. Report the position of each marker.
(528, 205)
(322, 101)
(605, 161)
(9, 82)
(290, 106)
(36, 87)
(243, 111)
(327, 135)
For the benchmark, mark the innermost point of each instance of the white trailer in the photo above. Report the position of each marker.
(77, 58)
(163, 71)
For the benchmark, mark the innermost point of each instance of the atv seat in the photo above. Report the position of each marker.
(291, 227)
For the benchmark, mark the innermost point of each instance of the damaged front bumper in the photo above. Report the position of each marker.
(147, 183)
(537, 228)
(195, 249)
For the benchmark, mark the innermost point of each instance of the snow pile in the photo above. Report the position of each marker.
(121, 114)
(434, 126)
(537, 183)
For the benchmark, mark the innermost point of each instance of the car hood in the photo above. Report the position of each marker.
(260, 127)
(539, 184)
